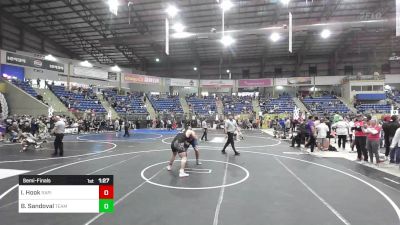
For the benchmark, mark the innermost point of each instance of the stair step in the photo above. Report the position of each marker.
(53, 101)
(21, 102)
(256, 107)
(354, 110)
(300, 104)
(184, 105)
(150, 108)
(108, 107)
(220, 107)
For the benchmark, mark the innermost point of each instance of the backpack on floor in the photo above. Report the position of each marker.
(332, 149)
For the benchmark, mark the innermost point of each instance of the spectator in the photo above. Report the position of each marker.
(389, 129)
(373, 134)
(360, 139)
(322, 133)
(342, 130)
(311, 133)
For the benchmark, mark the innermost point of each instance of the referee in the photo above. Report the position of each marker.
(58, 131)
(230, 128)
(204, 126)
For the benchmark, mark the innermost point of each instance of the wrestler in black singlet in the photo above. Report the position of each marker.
(180, 143)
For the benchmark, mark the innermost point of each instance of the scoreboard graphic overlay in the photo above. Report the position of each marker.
(66, 194)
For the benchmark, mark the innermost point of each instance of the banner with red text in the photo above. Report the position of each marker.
(141, 79)
(281, 81)
(217, 83)
(255, 83)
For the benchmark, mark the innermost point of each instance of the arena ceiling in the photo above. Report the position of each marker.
(135, 37)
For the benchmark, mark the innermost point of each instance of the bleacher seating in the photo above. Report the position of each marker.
(325, 104)
(166, 104)
(374, 108)
(24, 85)
(78, 100)
(130, 103)
(283, 104)
(237, 105)
(202, 106)
(395, 96)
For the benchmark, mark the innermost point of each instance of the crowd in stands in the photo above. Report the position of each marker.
(282, 104)
(132, 102)
(237, 104)
(85, 100)
(326, 103)
(202, 105)
(334, 120)
(78, 99)
(166, 104)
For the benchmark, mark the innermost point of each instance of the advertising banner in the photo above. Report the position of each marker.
(33, 62)
(34, 73)
(217, 83)
(183, 82)
(90, 72)
(10, 72)
(255, 83)
(281, 81)
(141, 79)
(299, 81)
(71, 130)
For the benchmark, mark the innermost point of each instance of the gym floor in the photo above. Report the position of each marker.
(269, 183)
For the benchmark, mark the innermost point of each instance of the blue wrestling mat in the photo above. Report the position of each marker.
(135, 135)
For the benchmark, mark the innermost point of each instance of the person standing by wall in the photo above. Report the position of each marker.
(351, 131)
(322, 133)
(205, 129)
(230, 128)
(169, 124)
(287, 125)
(360, 139)
(342, 130)
(301, 134)
(389, 129)
(58, 131)
(395, 148)
(116, 127)
(126, 128)
(373, 135)
(311, 133)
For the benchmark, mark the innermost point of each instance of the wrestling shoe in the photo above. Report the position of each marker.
(183, 174)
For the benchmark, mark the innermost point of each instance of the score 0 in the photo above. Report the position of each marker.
(106, 196)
